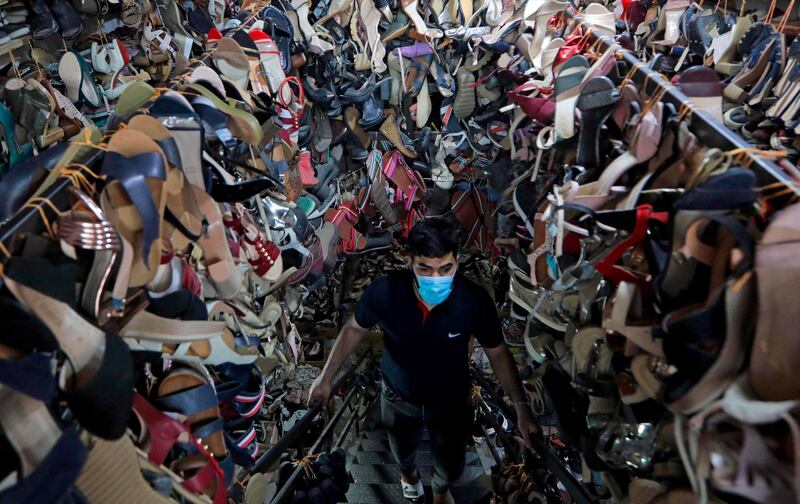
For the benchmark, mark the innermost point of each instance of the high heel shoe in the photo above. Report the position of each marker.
(109, 58)
(279, 216)
(79, 81)
(392, 133)
(100, 61)
(312, 38)
(362, 93)
(410, 8)
(336, 8)
(323, 96)
(539, 108)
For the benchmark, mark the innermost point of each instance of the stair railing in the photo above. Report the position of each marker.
(540, 449)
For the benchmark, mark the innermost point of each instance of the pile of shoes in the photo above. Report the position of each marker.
(324, 478)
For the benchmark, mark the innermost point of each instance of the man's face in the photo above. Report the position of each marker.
(434, 266)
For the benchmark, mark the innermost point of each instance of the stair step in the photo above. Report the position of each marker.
(423, 459)
(359, 493)
(382, 445)
(390, 474)
(383, 435)
(372, 494)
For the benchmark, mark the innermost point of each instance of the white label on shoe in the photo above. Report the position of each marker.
(451, 335)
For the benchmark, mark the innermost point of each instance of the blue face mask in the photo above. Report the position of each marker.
(434, 289)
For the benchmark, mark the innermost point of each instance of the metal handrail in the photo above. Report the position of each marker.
(553, 463)
(287, 489)
(301, 427)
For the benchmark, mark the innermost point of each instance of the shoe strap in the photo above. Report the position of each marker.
(132, 173)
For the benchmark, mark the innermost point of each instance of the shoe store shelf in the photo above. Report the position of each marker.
(709, 131)
(30, 217)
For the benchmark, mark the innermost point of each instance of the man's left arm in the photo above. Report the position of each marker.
(506, 371)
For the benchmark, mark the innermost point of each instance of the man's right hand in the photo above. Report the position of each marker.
(320, 392)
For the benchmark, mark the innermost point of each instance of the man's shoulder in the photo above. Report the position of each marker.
(472, 291)
(389, 281)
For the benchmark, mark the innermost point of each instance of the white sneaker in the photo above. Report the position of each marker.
(413, 492)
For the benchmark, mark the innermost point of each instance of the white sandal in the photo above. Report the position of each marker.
(202, 341)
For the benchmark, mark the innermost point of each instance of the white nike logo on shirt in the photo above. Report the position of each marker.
(451, 335)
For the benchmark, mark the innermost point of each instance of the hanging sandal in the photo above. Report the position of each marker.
(49, 458)
(410, 9)
(567, 92)
(407, 181)
(78, 79)
(135, 198)
(86, 227)
(202, 341)
(392, 132)
(99, 382)
(201, 472)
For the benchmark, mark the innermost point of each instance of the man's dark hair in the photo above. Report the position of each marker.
(435, 237)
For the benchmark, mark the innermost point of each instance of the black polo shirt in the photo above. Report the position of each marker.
(425, 356)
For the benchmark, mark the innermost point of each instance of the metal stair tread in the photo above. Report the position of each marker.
(385, 474)
(380, 445)
(365, 493)
(423, 458)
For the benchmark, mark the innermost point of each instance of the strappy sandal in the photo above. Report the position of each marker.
(136, 196)
(182, 209)
(239, 122)
(222, 270)
(86, 227)
(157, 44)
(49, 458)
(291, 109)
(378, 188)
(201, 472)
(410, 187)
(207, 342)
(101, 371)
(345, 218)
(263, 255)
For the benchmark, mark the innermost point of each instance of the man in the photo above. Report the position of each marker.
(428, 314)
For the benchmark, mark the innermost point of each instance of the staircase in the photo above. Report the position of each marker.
(377, 476)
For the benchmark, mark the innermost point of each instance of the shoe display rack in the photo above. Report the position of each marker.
(194, 194)
(710, 131)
